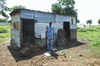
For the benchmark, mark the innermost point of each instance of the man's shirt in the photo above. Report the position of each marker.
(50, 31)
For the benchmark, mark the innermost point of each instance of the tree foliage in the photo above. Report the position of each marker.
(17, 7)
(67, 3)
(3, 20)
(78, 21)
(56, 8)
(3, 9)
(89, 22)
(64, 7)
(99, 21)
(3, 13)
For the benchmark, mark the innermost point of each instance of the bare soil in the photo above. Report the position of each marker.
(73, 54)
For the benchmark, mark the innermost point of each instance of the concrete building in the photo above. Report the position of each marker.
(29, 26)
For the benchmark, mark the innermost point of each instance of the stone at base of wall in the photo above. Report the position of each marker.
(73, 40)
(42, 42)
(14, 45)
(61, 41)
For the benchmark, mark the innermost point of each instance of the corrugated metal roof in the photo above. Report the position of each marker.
(19, 10)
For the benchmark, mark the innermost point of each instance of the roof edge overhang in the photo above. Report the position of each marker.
(19, 11)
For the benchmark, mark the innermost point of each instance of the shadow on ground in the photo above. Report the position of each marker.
(17, 58)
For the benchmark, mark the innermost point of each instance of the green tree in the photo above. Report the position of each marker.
(56, 8)
(3, 9)
(78, 21)
(67, 3)
(3, 20)
(64, 7)
(89, 22)
(17, 7)
(99, 21)
(14, 8)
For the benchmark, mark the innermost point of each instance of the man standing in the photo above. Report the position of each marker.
(49, 35)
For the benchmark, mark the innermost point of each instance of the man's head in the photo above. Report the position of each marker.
(50, 23)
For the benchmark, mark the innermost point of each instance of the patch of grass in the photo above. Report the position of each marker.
(8, 27)
(82, 30)
(86, 51)
(64, 50)
(88, 29)
(78, 27)
(4, 33)
(4, 39)
(96, 45)
(92, 34)
(98, 28)
(70, 54)
(3, 30)
(81, 58)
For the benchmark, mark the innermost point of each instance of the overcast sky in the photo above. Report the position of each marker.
(87, 9)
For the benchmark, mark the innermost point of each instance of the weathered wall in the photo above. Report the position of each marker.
(43, 17)
(40, 31)
(15, 29)
(43, 20)
(73, 34)
(37, 15)
(40, 28)
(28, 14)
(73, 26)
(41, 42)
(61, 18)
(73, 30)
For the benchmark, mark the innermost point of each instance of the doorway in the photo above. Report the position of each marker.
(66, 27)
(28, 32)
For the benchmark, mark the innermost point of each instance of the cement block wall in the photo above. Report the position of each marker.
(15, 30)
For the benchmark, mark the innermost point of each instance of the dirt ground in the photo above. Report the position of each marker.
(74, 54)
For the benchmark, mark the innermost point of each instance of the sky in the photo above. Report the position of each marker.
(87, 9)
